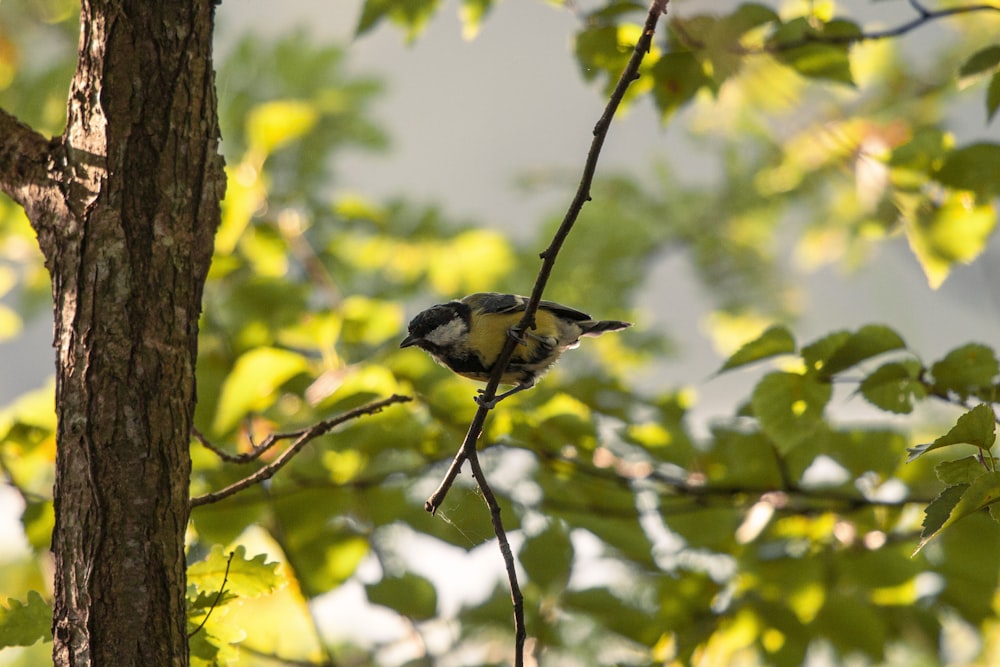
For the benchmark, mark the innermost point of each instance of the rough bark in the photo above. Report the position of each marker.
(125, 205)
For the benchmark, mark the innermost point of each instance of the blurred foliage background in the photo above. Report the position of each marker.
(782, 534)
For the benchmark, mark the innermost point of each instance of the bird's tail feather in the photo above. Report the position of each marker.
(597, 327)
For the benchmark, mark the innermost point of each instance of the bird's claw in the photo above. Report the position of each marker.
(517, 336)
(482, 402)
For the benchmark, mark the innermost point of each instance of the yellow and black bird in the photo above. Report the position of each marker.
(467, 336)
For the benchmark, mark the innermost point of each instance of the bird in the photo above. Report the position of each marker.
(468, 334)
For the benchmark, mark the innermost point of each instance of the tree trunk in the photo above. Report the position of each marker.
(125, 205)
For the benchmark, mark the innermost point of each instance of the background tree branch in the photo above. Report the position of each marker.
(302, 438)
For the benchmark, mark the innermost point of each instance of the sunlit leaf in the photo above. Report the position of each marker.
(251, 385)
(471, 13)
(245, 196)
(956, 231)
(775, 341)
(957, 502)
(409, 14)
(604, 50)
(473, 261)
(274, 124)
(960, 471)
(247, 577)
(370, 321)
(976, 427)
(39, 519)
(23, 624)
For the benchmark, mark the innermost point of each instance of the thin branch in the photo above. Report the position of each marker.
(246, 457)
(218, 596)
(517, 600)
(302, 438)
(468, 449)
(548, 256)
(923, 17)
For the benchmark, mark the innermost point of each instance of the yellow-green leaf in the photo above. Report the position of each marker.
(957, 502)
(274, 124)
(776, 340)
(975, 427)
(252, 383)
(957, 231)
(790, 407)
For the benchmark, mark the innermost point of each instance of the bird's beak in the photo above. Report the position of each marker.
(408, 341)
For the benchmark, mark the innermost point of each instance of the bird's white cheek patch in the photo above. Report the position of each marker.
(447, 333)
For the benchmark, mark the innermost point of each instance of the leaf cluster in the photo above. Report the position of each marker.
(645, 537)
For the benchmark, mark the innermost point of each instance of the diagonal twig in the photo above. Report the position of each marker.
(468, 449)
(548, 256)
(302, 438)
(923, 17)
(218, 596)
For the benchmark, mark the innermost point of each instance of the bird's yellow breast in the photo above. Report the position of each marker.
(540, 347)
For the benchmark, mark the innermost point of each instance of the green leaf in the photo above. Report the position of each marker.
(816, 354)
(894, 386)
(956, 230)
(274, 124)
(677, 77)
(972, 168)
(993, 97)
(802, 47)
(39, 519)
(715, 40)
(746, 17)
(773, 342)
(247, 578)
(965, 369)
(961, 471)
(981, 61)
(869, 341)
(936, 514)
(790, 407)
(548, 557)
(963, 499)
(924, 149)
(411, 595)
(976, 427)
(409, 14)
(471, 14)
(252, 383)
(600, 50)
(23, 624)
